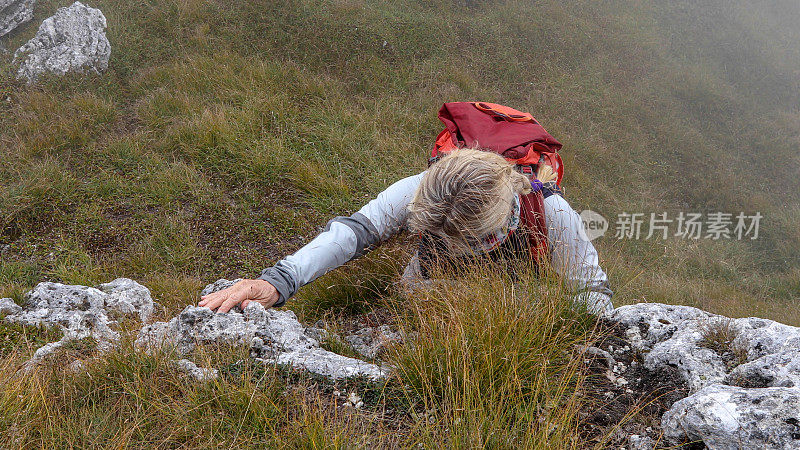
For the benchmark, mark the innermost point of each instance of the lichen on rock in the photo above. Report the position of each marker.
(14, 13)
(80, 311)
(72, 40)
(751, 401)
(273, 336)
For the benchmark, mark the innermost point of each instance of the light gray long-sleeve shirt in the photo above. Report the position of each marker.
(346, 238)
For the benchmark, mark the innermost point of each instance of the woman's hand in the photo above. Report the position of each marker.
(244, 292)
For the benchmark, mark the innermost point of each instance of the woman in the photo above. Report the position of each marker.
(467, 203)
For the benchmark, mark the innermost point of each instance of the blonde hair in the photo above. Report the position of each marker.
(467, 195)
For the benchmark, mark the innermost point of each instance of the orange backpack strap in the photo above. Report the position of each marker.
(509, 114)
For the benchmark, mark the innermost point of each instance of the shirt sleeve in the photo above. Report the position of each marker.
(343, 239)
(573, 256)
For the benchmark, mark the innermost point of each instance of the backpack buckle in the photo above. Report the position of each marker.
(527, 170)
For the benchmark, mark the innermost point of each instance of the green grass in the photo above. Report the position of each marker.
(225, 135)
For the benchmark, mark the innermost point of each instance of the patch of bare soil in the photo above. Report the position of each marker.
(625, 400)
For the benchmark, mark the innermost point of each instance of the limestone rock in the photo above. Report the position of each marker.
(80, 311)
(370, 342)
(772, 370)
(671, 336)
(126, 296)
(198, 373)
(760, 410)
(14, 13)
(674, 336)
(728, 417)
(74, 39)
(8, 307)
(272, 335)
(654, 322)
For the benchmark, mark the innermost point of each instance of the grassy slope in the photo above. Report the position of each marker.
(224, 134)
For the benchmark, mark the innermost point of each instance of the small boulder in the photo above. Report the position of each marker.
(273, 336)
(8, 307)
(73, 40)
(728, 417)
(371, 342)
(79, 311)
(192, 370)
(14, 13)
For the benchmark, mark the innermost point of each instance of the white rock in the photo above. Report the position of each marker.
(14, 13)
(198, 373)
(672, 336)
(637, 442)
(655, 322)
(126, 296)
(773, 370)
(80, 311)
(73, 40)
(729, 417)
(7, 307)
(762, 411)
(272, 335)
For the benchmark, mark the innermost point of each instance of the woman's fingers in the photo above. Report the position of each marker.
(218, 299)
(244, 292)
(234, 299)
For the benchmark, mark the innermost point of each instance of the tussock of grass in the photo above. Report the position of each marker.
(720, 335)
(23, 339)
(493, 362)
(131, 398)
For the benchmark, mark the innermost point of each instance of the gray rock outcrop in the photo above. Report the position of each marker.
(73, 40)
(780, 369)
(370, 342)
(80, 311)
(198, 373)
(743, 374)
(675, 336)
(8, 307)
(273, 336)
(14, 13)
(728, 417)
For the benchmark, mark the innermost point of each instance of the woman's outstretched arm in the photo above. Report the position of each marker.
(343, 239)
(574, 257)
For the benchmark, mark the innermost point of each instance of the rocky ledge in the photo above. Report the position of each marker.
(273, 336)
(80, 312)
(742, 375)
(706, 380)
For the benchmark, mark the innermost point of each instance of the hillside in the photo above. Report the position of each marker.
(226, 134)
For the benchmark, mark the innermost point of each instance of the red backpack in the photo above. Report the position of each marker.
(515, 135)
